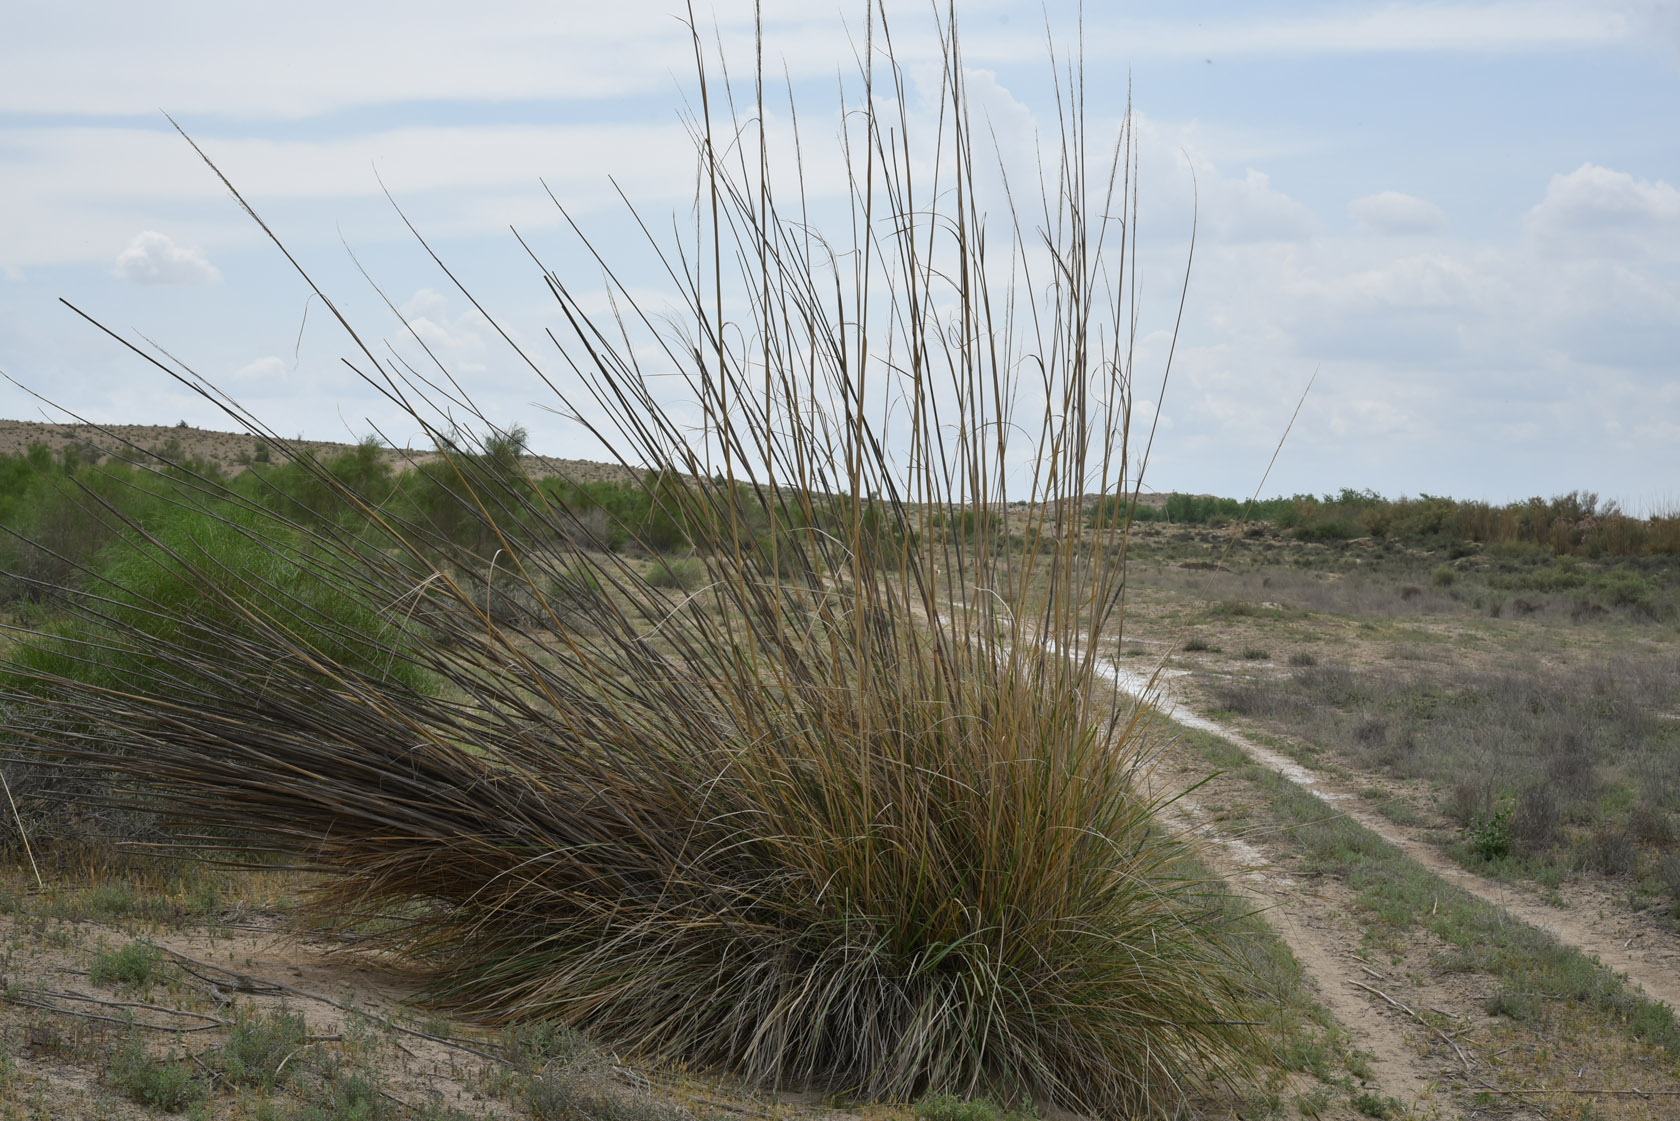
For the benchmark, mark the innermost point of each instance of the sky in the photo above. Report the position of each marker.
(1460, 222)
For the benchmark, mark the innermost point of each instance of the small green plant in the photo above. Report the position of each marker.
(167, 1084)
(135, 965)
(260, 1050)
(562, 1097)
(685, 574)
(949, 1107)
(354, 1097)
(1443, 577)
(1196, 644)
(532, 1046)
(1380, 1106)
(1490, 835)
(1300, 659)
(1255, 654)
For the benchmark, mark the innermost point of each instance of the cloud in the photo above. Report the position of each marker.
(1230, 210)
(1390, 212)
(1597, 212)
(266, 368)
(154, 258)
(1249, 209)
(459, 342)
(1523, 25)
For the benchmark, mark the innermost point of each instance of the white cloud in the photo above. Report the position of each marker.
(1391, 212)
(1249, 209)
(1524, 25)
(266, 368)
(1597, 212)
(459, 342)
(154, 258)
(1229, 210)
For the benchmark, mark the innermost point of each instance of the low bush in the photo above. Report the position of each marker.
(260, 1050)
(135, 965)
(168, 1084)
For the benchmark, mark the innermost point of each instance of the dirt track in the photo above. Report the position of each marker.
(1411, 1059)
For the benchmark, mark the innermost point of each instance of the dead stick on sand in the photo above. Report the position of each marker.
(244, 982)
(1449, 1039)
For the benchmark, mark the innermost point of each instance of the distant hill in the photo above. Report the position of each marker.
(231, 450)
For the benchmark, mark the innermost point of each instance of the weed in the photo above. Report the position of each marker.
(1490, 836)
(1196, 644)
(354, 1097)
(1255, 654)
(135, 965)
(949, 1107)
(1380, 1106)
(1302, 658)
(685, 574)
(168, 1084)
(532, 1045)
(259, 1050)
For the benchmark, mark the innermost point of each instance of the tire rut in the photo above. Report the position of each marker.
(1654, 966)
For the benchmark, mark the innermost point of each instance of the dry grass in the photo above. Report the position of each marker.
(838, 808)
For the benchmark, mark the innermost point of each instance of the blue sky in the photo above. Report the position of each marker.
(1465, 217)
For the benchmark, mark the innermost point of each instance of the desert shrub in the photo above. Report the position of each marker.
(1469, 800)
(949, 1107)
(1650, 825)
(1489, 835)
(168, 1084)
(351, 1096)
(1535, 821)
(1610, 850)
(260, 1049)
(1300, 659)
(842, 816)
(1443, 576)
(684, 574)
(134, 965)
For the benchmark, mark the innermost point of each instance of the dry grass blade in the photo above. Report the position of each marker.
(839, 811)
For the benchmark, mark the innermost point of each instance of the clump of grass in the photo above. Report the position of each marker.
(135, 965)
(1255, 653)
(167, 1084)
(851, 812)
(949, 1107)
(260, 1050)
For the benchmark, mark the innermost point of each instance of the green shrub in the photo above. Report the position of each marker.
(685, 574)
(949, 1107)
(169, 1084)
(135, 965)
(261, 1049)
(1490, 836)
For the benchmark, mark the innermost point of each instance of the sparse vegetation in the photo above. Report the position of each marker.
(170, 1084)
(135, 965)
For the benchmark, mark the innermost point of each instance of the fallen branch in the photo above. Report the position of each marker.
(69, 994)
(1447, 1038)
(45, 1006)
(245, 983)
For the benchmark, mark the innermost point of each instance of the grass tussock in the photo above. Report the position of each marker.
(829, 801)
